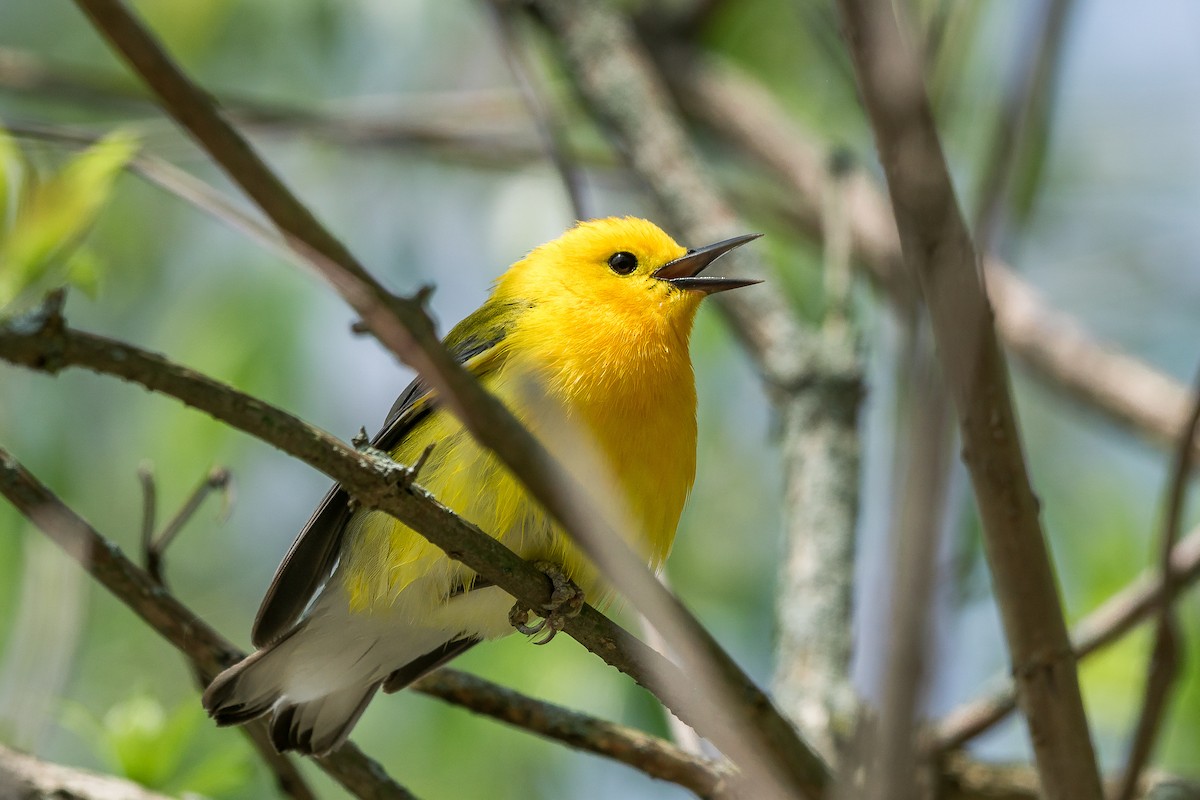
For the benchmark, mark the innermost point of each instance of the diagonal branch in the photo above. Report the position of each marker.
(742, 714)
(939, 255)
(815, 382)
(1117, 616)
(209, 653)
(651, 755)
(41, 341)
(549, 127)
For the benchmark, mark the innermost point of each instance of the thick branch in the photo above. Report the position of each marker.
(939, 254)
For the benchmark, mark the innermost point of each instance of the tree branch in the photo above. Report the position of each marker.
(1112, 620)
(477, 127)
(550, 130)
(153, 550)
(889, 750)
(41, 341)
(813, 381)
(206, 648)
(1055, 346)
(742, 711)
(940, 256)
(23, 777)
(963, 778)
(210, 653)
(1028, 97)
(648, 754)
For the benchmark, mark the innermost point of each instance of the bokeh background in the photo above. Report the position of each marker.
(1103, 222)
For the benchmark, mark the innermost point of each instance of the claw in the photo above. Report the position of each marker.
(566, 601)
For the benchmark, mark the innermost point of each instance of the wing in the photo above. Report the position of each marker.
(314, 554)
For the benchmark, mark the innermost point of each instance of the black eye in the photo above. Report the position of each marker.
(623, 263)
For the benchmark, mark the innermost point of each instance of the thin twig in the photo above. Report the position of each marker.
(402, 326)
(218, 478)
(145, 475)
(1029, 95)
(836, 226)
(1116, 617)
(940, 256)
(1163, 669)
(551, 133)
(648, 754)
(892, 754)
(155, 547)
(287, 776)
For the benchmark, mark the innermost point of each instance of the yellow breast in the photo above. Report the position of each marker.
(620, 414)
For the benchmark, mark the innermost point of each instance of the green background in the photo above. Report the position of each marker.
(1103, 224)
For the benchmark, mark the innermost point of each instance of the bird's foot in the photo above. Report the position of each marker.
(566, 601)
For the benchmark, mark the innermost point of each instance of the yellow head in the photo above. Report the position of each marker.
(621, 268)
(602, 316)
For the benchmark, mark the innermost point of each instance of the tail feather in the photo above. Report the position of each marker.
(315, 682)
(250, 687)
(317, 679)
(318, 726)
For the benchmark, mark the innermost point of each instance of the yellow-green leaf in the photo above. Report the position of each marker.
(56, 213)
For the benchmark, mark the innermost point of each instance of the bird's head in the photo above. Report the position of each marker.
(622, 266)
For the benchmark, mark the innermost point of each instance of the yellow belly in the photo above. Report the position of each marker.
(646, 448)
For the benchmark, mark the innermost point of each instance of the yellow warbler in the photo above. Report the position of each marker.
(599, 321)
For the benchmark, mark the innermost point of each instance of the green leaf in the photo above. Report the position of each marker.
(220, 771)
(55, 214)
(83, 271)
(150, 744)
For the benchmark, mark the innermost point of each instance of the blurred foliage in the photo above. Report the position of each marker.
(1111, 239)
(43, 217)
(140, 740)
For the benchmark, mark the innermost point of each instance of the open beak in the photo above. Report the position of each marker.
(684, 271)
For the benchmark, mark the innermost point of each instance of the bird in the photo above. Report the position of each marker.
(592, 328)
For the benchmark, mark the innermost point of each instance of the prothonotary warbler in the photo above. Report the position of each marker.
(598, 320)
